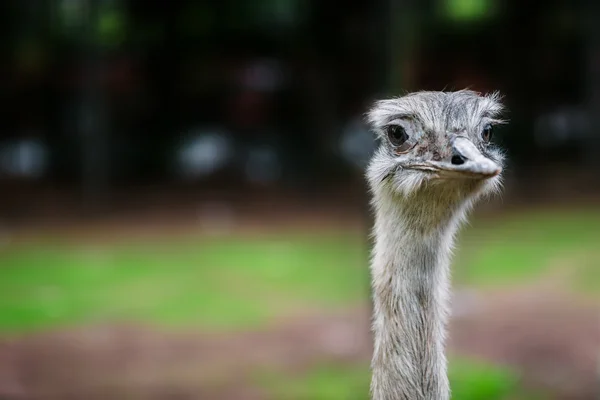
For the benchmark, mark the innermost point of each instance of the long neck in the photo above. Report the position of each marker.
(410, 271)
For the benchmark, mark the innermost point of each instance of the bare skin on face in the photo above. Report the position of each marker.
(436, 158)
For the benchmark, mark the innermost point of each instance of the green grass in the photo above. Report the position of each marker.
(233, 282)
(523, 247)
(219, 282)
(469, 379)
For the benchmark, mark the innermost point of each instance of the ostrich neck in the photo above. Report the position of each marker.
(410, 272)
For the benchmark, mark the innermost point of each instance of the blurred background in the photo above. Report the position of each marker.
(183, 213)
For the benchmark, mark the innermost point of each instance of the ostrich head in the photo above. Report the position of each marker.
(436, 152)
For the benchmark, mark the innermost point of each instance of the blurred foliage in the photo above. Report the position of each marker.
(111, 27)
(468, 10)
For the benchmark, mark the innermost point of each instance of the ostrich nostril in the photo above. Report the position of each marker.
(457, 159)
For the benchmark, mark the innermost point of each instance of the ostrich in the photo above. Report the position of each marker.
(434, 161)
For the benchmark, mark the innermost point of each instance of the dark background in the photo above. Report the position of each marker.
(106, 95)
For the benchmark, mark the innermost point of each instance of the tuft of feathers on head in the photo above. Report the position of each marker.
(437, 110)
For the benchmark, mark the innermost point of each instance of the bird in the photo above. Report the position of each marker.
(435, 159)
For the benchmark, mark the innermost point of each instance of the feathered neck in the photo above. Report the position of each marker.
(410, 279)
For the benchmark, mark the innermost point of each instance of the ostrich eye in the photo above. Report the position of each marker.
(398, 138)
(486, 134)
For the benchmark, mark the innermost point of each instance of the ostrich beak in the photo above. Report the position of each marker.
(468, 160)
